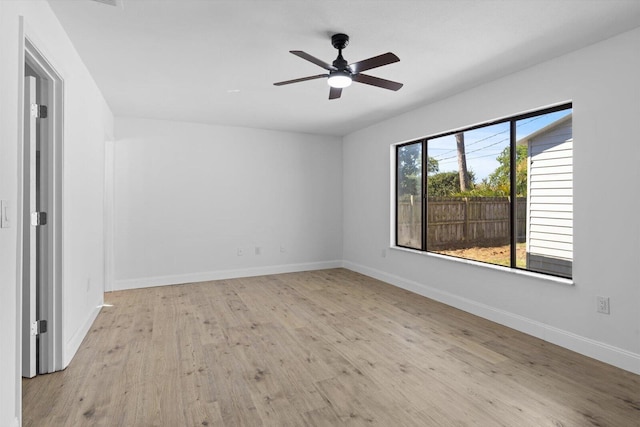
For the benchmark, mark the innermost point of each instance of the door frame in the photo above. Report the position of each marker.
(51, 359)
(109, 185)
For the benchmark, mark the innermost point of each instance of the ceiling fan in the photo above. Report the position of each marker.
(341, 74)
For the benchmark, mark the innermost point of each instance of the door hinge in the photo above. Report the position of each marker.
(38, 218)
(39, 327)
(39, 111)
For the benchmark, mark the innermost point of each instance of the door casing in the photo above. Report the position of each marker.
(50, 92)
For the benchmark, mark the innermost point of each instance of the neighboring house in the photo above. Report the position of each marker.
(550, 198)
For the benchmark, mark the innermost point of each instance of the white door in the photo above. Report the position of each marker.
(29, 247)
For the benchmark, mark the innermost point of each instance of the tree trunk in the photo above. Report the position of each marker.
(462, 162)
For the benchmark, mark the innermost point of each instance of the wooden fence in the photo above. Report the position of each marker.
(461, 222)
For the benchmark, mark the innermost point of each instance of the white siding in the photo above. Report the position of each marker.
(550, 200)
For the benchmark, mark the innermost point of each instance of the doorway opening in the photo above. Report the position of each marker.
(41, 216)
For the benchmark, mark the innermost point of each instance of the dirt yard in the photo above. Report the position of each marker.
(494, 255)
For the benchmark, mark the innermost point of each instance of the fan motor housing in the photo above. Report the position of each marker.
(340, 41)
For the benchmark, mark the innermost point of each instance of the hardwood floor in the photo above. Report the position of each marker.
(322, 348)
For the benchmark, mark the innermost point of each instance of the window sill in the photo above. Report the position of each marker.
(541, 276)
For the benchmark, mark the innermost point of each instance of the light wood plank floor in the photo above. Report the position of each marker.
(323, 348)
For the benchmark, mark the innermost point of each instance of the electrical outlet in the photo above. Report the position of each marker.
(282, 249)
(258, 250)
(240, 252)
(603, 305)
(383, 254)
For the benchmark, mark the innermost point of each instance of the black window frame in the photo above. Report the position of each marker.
(512, 120)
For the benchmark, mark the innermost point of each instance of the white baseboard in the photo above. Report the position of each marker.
(73, 344)
(148, 282)
(606, 353)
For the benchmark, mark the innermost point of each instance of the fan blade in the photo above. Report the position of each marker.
(303, 79)
(313, 59)
(335, 92)
(376, 81)
(376, 61)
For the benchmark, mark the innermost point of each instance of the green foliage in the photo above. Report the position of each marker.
(410, 169)
(484, 190)
(409, 158)
(497, 184)
(432, 165)
(445, 184)
(499, 179)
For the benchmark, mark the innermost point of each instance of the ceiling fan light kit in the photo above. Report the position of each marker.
(342, 74)
(339, 79)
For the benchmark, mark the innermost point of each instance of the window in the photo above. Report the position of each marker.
(500, 193)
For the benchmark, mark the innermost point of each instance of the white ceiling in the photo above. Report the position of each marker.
(215, 61)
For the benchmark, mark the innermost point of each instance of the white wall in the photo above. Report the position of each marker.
(87, 121)
(602, 81)
(271, 189)
(187, 196)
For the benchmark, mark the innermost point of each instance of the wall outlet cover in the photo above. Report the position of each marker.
(603, 305)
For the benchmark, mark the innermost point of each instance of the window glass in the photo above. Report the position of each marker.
(501, 193)
(546, 142)
(409, 196)
(468, 207)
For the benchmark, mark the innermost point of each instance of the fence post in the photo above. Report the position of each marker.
(412, 221)
(465, 230)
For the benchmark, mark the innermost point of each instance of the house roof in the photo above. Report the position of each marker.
(545, 129)
(216, 61)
